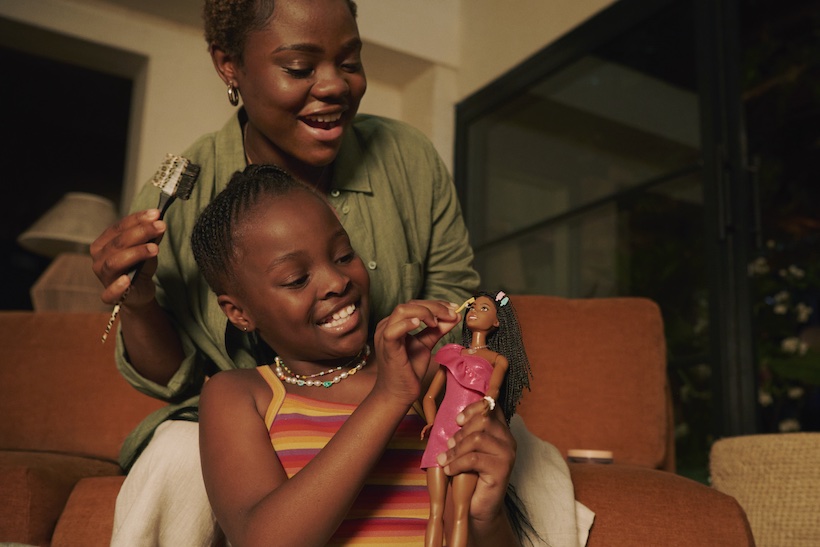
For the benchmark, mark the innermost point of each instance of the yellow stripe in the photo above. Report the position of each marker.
(278, 394)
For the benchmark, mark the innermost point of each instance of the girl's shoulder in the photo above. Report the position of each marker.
(230, 388)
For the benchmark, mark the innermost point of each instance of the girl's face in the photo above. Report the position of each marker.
(298, 281)
(482, 316)
(301, 82)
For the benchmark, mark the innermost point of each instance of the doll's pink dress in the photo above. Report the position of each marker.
(468, 378)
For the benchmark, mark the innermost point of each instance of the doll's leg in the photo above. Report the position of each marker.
(463, 488)
(437, 488)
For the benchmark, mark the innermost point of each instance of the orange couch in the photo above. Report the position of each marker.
(599, 383)
(65, 413)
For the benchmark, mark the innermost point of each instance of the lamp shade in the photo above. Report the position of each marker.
(71, 225)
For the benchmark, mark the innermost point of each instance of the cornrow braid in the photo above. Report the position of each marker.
(507, 341)
(228, 22)
(215, 231)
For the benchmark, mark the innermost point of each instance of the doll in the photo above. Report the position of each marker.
(490, 365)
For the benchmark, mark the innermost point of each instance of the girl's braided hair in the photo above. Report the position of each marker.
(228, 22)
(213, 240)
(506, 340)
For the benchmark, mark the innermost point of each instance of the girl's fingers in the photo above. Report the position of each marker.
(483, 445)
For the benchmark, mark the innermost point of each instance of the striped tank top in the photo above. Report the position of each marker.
(393, 506)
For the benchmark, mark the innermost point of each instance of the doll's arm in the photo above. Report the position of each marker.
(429, 402)
(499, 372)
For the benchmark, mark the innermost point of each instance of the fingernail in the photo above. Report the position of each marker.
(460, 419)
(441, 459)
(450, 443)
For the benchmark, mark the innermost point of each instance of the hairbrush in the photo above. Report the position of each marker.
(175, 178)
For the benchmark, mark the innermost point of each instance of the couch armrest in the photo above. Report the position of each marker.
(638, 506)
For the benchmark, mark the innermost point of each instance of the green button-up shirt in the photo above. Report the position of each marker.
(394, 197)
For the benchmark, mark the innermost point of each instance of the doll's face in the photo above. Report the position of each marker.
(482, 315)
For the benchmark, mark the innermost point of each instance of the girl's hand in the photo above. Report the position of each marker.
(120, 248)
(485, 446)
(403, 358)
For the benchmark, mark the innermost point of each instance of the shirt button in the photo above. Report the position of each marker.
(335, 193)
(372, 264)
(345, 209)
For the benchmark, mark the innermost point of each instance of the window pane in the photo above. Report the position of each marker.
(610, 121)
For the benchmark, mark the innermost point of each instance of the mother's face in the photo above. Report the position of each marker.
(301, 82)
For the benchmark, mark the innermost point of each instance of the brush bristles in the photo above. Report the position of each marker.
(187, 180)
(176, 176)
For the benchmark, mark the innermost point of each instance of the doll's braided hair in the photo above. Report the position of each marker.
(507, 341)
(216, 231)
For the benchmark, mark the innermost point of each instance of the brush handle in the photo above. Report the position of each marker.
(165, 201)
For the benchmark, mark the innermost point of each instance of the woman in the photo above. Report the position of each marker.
(296, 66)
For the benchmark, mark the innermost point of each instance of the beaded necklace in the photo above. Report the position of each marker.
(288, 376)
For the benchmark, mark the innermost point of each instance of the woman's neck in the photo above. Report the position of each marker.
(259, 150)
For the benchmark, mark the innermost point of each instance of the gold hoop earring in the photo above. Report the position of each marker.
(233, 94)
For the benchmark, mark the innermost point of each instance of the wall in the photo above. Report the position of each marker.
(177, 95)
(495, 36)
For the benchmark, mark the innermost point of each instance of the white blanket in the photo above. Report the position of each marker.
(542, 480)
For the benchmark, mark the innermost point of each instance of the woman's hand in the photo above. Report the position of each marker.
(403, 358)
(485, 446)
(120, 248)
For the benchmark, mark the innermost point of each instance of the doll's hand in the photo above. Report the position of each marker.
(424, 431)
(120, 248)
(403, 359)
(485, 446)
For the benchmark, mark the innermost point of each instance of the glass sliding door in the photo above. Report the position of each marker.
(586, 178)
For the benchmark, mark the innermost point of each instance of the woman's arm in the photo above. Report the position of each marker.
(153, 345)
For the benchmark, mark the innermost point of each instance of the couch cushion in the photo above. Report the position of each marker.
(638, 506)
(88, 518)
(35, 489)
(599, 376)
(60, 390)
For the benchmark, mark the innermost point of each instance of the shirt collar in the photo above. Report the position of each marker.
(350, 171)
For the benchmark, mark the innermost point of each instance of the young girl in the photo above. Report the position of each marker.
(322, 446)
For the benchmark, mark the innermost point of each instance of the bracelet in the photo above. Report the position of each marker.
(490, 402)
